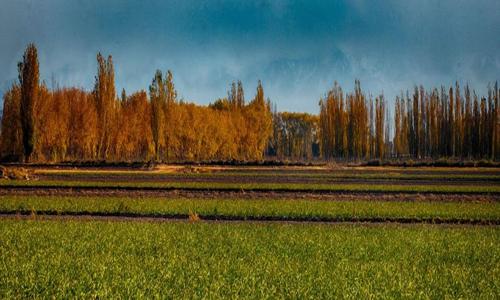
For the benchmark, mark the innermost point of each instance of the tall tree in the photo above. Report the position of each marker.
(258, 122)
(379, 126)
(105, 100)
(170, 117)
(11, 144)
(29, 82)
(157, 95)
(240, 98)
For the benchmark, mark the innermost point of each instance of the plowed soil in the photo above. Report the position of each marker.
(220, 194)
(50, 215)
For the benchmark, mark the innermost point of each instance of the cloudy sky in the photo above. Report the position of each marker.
(297, 48)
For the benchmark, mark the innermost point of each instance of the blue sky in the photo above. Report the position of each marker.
(297, 48)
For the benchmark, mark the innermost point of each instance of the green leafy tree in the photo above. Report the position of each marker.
(29, 82)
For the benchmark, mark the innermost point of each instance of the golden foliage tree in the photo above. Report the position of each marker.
(11, 144)
(105, 101)
(71, 124)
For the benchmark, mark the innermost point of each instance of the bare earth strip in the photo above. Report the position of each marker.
(94, 216)
(229, 194)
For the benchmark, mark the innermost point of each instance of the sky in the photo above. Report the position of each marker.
(297, 48)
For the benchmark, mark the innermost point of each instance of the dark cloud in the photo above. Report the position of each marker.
(298, 48)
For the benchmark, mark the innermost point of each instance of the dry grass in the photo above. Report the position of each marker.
(193, 217)
(16, 173)
(33, 213)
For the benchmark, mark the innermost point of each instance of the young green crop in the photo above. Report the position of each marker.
(320, 176)
(320, 187)
(72, 259)
(260, 208)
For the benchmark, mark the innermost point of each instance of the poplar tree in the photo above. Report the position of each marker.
(29, 83)
(158, 98)
(105, 101)
(169, 113)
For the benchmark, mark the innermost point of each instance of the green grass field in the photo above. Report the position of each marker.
(182, 260)
(321, 175)
(115, 240)
(282, 208)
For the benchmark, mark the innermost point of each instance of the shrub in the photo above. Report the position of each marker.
(193, 217)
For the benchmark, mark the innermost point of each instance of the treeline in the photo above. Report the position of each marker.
(444, 123)
(353, 126)
(70, 124)
(447, 123)
(295, 136)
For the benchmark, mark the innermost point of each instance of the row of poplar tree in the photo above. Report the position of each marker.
(445, 123)
(353, 127)
(71, 124)
(428, 124)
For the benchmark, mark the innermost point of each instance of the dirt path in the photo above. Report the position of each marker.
(51, 215)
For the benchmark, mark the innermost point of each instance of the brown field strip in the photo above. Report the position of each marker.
(273, 179)
(119, 216)
(335, 196)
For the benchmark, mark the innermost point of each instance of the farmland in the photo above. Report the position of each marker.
(249, 150)
(105, 259)
(251, 232)
(292, 209)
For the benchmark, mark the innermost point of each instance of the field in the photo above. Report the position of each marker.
(251, 232)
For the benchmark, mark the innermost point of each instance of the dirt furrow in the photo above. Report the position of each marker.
(250, 194)
(53, 215)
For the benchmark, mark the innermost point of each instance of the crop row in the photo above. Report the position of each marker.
(314, 175)
(223, 186)
(254, 209)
